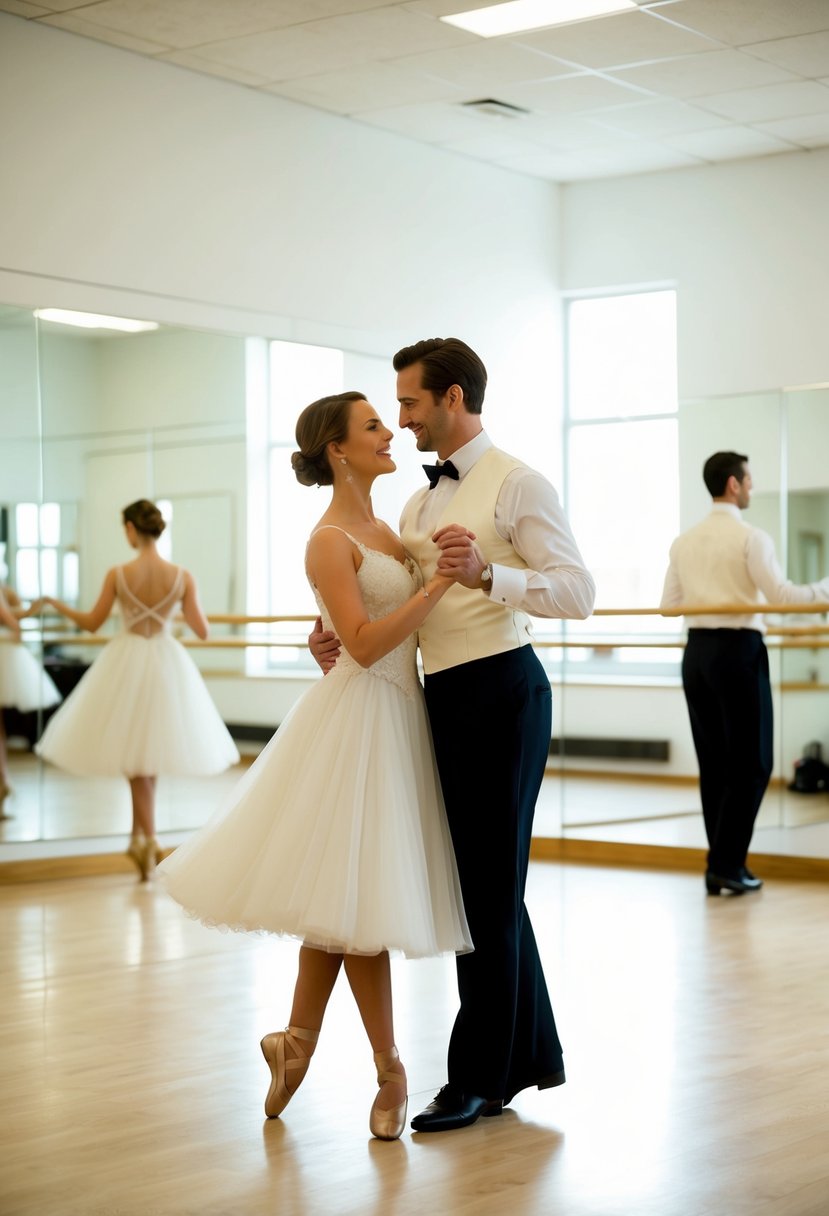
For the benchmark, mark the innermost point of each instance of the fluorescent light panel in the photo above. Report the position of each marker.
(518, 16)
(92, 320)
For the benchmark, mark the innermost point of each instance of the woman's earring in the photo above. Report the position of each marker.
(348, 476)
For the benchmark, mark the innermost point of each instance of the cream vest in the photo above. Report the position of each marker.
(467, 624)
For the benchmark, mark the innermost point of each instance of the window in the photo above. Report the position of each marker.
(622, 465)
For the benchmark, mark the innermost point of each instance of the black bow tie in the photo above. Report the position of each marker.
(435, 471)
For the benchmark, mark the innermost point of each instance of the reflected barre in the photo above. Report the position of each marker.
(785, 636)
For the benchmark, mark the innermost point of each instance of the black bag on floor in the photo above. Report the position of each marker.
(811, 775)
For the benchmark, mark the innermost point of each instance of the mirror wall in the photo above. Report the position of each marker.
(92, 420)
(785, 434)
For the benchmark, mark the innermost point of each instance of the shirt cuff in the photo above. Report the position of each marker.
(509, 586)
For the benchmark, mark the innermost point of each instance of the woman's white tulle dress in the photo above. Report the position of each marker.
(24, 685)
(337, 835)
(142, 708)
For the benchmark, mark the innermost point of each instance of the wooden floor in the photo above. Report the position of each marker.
(697, 1049)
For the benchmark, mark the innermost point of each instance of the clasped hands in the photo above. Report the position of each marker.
(460, 561)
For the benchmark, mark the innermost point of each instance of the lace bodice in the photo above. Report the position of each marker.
(147, 619)
(385, 584)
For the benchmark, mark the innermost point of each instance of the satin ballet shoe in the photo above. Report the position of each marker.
(136, 852)
(149, 859)
(387, 1124)
(273, 1049)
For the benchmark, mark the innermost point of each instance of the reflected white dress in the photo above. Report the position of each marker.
(142, 708)
(24, 685)
(337, 835)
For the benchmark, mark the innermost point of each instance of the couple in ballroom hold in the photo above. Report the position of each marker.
(386, 816)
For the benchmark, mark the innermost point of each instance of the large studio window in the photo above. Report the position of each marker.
(622, 464)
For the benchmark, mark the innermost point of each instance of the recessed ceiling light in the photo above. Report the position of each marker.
(93, 320)
(518, 16)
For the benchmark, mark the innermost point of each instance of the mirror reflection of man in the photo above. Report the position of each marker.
(498, 526)
(725, 668)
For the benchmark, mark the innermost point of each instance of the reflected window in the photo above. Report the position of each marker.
(283, 377)
(621, 445)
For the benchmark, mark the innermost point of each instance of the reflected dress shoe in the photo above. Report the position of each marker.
(452, 1108)
(739, 884)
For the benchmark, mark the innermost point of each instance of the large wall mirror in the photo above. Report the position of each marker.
(786, 435)
(92, 419)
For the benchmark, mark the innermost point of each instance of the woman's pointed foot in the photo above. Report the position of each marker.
(387, 1122)
(286, 1054)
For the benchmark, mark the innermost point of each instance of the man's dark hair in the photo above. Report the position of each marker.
(447, 361)
(719, 467)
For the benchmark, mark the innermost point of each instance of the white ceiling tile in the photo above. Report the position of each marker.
(565, 132)
(570, 95)
(807, 130)
(189, 23)
(189, 59)
(486, 65)
(738, 22)
(339, 42)
(636, 156)
(808, 54)
(655, 118)
(726, 143)
(611, 41)
(433, 123)
(20, 9)
(711, 72)
(372, 86)
(65, 6)
(552, 166)
(127, 42)
(493, 146)
(769, 102)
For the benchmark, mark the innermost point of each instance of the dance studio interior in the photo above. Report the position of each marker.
(218, 211)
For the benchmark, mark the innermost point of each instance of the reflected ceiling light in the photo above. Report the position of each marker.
(518, 16)
(93, 320)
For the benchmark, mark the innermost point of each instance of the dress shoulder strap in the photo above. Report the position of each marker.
(353, 539)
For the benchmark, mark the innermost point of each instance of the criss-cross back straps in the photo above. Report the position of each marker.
(138, 610)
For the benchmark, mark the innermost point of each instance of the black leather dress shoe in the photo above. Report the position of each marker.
(452, 1108)
(739, 884)
(749, 880)
(554, 1078)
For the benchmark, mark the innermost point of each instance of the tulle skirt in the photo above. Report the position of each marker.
(24, 685)
(337, 835)
(141, 709)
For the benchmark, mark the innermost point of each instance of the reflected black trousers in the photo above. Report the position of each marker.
(725, 675)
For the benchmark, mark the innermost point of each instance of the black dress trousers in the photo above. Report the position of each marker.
(725, 674)
(491, 724)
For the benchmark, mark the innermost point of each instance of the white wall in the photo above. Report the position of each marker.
(744, 242)
(143, 175)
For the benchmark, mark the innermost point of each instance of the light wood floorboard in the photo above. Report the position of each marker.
(697, 1048)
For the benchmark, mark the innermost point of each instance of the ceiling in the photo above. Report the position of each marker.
(674, 83)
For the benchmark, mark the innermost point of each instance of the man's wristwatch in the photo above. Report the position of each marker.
(486, 576)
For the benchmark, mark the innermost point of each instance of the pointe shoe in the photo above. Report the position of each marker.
(273, 1049)
(149, 859)
(137, 852)
(387, 1124)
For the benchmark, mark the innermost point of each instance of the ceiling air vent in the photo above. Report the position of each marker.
(495, 109)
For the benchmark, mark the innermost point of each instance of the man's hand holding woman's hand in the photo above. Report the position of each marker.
(460, 558)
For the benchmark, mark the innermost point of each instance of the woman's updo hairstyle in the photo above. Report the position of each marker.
(145, 517)
(320, 423)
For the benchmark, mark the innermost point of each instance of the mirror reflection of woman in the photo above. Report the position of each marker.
(142, 708)
(337, 836)
(24, 685)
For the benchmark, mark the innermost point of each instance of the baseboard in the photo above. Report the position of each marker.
(544, 848)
